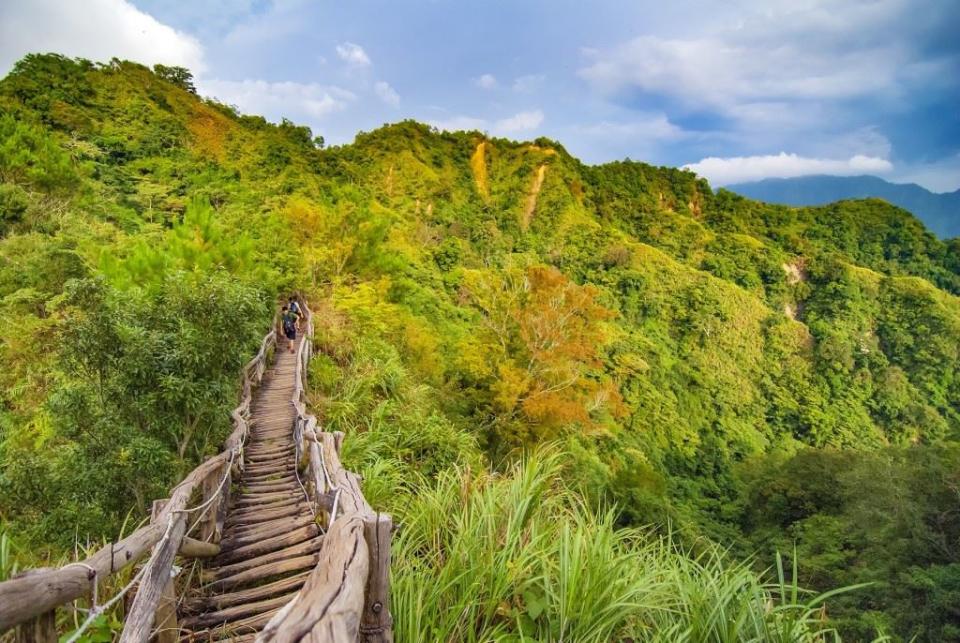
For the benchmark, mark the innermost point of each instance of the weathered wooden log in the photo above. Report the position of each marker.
(376, 623)
(257, 546)
(266, 572)
(262, 498)
(237, 629)
(260, 592)
(252, 505)
(329, 606)
(295, 551)
(139, 620)
(211, 488)
(230, 614)
(166, 626)
(271, 486)
(190, 548)
(257, 516)
(39, 629)
(270, 476)
(276, 526)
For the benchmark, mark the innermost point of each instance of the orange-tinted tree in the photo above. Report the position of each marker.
(543, 339)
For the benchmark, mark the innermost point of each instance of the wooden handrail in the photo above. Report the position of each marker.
(346, 597)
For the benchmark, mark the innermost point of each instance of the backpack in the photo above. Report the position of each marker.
(294, 307)
(289, 323)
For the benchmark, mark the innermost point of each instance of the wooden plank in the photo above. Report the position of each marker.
(283, 524)
(255, 516)
(376, 623)
(235, 630)
(329, 605)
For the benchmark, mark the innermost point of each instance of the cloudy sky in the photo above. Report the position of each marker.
(737, 91)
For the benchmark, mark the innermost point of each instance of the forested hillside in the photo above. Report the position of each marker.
(510, 336)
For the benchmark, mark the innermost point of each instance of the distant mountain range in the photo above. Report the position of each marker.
(940, 212)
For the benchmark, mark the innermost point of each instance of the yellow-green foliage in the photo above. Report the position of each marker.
(661, 333)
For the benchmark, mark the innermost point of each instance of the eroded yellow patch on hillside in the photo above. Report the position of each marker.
(532, 195)
(478, 163)
(209, 130)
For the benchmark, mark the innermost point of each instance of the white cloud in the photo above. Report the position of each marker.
(94, 29)
(486, 81)
(777, 61)
(529, 83)
(353, 54)
(278, 100)
(723, 171)
(511, 125)
(642, 127)
(520, 122)
(725, 72)
(386, 93)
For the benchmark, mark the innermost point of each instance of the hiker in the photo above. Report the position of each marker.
(295, 307)
(289, 321)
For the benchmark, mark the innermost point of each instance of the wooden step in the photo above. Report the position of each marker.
(257, 546)
(266, 545)
(265, 573)
(305, 548)
(219, 601)
(271, 487)
(234, 631)
(256, 516)
(283, 524)
(237, 612)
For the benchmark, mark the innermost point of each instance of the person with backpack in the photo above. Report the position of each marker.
(288, 321)
(295, 307)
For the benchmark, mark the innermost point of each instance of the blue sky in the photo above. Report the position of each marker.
(736, 90)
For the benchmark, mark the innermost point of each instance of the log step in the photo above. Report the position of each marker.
(303, 549)
(254, 516)
(236, 630)
(266, 573)
(220, 601)
(230, 614)
(283, 524)
(267, 545)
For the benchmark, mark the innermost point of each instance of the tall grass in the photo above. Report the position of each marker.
(519, 557)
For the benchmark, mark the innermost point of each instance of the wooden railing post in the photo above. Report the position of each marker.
(376, 622)
(39, 629)
(154, 583)
(165, 623)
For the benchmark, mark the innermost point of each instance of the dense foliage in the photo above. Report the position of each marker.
(731, 373)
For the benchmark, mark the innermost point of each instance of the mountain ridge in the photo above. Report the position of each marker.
(940, 211)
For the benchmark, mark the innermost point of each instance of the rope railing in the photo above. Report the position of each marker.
(345, 598)
(31, 599)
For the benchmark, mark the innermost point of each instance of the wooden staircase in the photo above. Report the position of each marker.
(271, 539)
